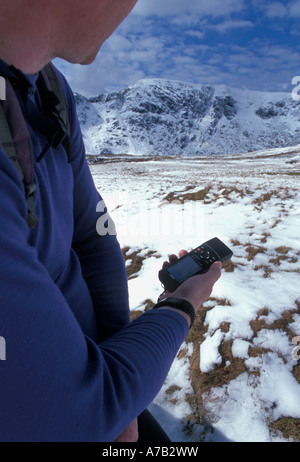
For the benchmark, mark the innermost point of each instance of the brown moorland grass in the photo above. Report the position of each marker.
(230, 367)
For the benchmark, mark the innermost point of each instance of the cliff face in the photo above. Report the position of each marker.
(163, 117)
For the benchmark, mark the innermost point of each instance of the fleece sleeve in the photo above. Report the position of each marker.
(99, 252)
(56, 383)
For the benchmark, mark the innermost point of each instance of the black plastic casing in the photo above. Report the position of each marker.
(198, 261)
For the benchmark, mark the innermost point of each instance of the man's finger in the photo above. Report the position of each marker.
(215, 270)
(172, 258)
(182, 253)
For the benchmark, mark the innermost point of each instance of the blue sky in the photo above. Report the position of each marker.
(248, 44)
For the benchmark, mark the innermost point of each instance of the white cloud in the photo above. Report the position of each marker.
(294, 9)
(281, 10)
(196, 33)
(276, 10)
(173, 45)
(229, 25)
(213, 8)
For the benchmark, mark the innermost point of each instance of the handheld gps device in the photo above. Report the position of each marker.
(198, 261)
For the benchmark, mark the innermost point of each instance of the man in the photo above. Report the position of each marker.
(76, 369)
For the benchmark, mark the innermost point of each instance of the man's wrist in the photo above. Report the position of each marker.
(175, 310)
(179, 304)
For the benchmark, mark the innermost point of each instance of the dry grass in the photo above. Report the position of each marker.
(280, 193)
(222, 195)
(232, 367)
(229, 266)
(210, 194)
(135, 314)
(268, 156)
(222, 375)
(264, 238)
(276, 261)
(267, 270)
(264, 198)
(253, 250)
(283, 249)
(280, 324)
(200, 195)
(135, 260)
(292, 173)
(296, 372)
(288, 427)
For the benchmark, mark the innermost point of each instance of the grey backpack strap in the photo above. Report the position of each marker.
(15, 138)
(8, 143)
(52, 80)
(16, 143)
(52, 83)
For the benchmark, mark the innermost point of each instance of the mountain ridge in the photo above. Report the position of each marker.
(169, 117)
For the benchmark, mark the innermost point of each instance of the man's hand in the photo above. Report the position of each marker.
(130, 434)
(196, 289)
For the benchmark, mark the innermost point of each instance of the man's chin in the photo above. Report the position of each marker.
(83, 59)
(89, 59)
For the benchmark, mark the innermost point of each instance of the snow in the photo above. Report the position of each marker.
(209, 352)
(253, 206)
(240, 348)
(168, 117)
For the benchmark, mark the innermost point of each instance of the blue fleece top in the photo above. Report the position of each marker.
(76, 369)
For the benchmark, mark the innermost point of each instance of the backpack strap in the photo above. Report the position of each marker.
(55, 107)
(16, 142)
(15, 138)
(7, 142)
(51, 78)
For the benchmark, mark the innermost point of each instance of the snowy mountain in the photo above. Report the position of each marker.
(164, 117)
